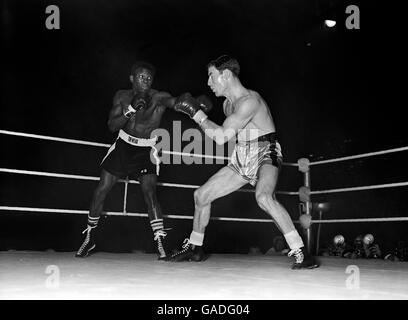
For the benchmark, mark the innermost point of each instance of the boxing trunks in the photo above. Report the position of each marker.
(249, 156)
(130, 157)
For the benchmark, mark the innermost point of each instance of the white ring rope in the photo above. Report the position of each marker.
(378, 186)
(363, 155)
(80, 177)
(137, 214)
(131, 214)
(42, 137)
(90, 143)
(191, 186)
(97, 144)
(391, 219)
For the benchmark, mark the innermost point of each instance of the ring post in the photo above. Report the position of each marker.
(318, 232)
(304, 197)
(320, 207)
(125, 196)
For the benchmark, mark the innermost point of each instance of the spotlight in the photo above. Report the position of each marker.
(330, 23)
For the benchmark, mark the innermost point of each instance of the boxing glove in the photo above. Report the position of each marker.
(138, 103)
(205, 103)
(190, 106)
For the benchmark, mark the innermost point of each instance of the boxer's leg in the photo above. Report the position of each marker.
(265, 197)
(221, 184)
(148, 184)
(106, 182)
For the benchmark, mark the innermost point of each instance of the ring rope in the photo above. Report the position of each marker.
(137, 214)
(190, 186)
(363, 155)
(44, 137)
(97, 144)
(80, 177)
(131, 214)
(378, 186)
(389, 185)
(391, 219)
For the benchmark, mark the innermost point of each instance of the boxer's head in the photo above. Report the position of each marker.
(142, 75)
(220, 72)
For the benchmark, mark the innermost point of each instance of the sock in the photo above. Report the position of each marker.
(294, 240)
(93, 221)
(196, 238)
(156, 225)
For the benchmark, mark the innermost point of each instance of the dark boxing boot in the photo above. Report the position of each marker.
(188, 252)
(302, 259)
(88, 245)
(159, 236)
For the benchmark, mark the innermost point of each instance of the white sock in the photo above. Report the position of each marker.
(196, 238)
(294, 240)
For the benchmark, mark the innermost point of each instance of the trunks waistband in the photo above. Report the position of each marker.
(271, 137)
(140, 142)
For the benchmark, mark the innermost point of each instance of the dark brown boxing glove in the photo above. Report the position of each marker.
(205, 103)
(187, 104)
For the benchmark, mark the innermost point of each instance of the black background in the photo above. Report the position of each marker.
(332, 92)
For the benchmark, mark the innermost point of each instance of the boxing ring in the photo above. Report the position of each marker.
(58, 275)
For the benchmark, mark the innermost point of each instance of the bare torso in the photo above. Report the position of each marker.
(144, 121)
(261, 123)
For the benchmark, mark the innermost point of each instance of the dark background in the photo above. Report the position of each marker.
(332, 92)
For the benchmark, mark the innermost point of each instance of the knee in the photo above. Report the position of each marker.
(264, 200)
(201, 197)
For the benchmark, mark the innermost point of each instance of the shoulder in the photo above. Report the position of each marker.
(159, 94)
(120, 94)
(249, 101)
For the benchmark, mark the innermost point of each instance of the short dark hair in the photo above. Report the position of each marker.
(143, 65)
(225, 62)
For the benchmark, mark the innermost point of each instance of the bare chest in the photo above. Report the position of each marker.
(145, 120)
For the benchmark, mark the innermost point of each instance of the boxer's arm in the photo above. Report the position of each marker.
(117, 119)
(168, 101)
(162, 98)
(237, 120)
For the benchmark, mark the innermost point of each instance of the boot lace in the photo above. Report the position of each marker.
(185, 246)
(298, 254)
(87, 238)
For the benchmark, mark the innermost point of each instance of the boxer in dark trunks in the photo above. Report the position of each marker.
(256, 159)
(135, 114)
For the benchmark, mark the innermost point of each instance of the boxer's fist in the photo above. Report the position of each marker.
(138, 102)
(205, 103)
(187, 104)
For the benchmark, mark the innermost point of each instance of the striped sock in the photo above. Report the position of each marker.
(156, 225)
(93, 221)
